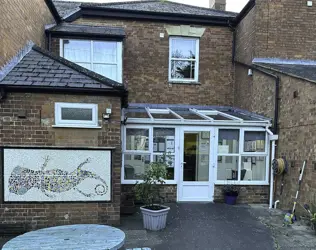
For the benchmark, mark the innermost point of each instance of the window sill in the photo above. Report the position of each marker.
(242, 183)
(133, 182)
(77, 126)
(185, 82)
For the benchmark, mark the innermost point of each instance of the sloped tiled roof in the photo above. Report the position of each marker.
(87, 30)
(152, 6)
(66, 8)
(39, 68)
(304, 69)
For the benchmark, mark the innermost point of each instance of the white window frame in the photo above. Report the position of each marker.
(241, 153)
(150, 150)
(197, 59)
(118, 55)
(59, 122)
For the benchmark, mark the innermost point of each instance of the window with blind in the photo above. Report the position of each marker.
(102, 57)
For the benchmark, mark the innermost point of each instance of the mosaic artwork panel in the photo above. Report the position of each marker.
(56, 175)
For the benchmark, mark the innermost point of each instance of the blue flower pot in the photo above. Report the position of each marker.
(230, 200)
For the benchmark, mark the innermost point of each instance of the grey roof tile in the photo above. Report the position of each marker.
(23, 83)
(63, 75)
(307, 72)
(10, 82)
(51, 79)
(30, 71)
(30, 74)
(87, 30)
(65, 8)
(77, 85)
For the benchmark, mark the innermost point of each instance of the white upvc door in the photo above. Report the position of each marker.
(197, 166)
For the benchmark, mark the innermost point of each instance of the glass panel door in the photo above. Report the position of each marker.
(196, 174)
(196, 156)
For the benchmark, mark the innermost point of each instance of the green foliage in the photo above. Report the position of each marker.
(313, 219)
(231, 190)
(148, 191)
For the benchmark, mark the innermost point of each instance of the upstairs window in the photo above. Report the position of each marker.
(104, 58)
(183, 59)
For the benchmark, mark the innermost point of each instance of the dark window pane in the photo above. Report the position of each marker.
(164, 140)
(182, 69)
(227, 168)
(169, 160)
(137, 139)
(228, 141)
(135, 166)
(76, 114)
(254, 168)
(187, 114)
(254, 141)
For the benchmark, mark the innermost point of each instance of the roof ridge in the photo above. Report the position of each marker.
(123, 2)
(201, 8)
(95, 76)
(16, 59)
(87, 25)
(149, 1)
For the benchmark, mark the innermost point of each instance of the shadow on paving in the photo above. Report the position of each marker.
(201, 226)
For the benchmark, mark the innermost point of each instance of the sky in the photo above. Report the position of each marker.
(232, 5)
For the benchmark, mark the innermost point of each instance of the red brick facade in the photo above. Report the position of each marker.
(36, 130)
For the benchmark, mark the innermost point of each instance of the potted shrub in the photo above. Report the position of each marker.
(148, 192)
(230, 194)
(313, 221)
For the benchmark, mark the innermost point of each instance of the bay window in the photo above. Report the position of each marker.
(102, 57)
(242, 156)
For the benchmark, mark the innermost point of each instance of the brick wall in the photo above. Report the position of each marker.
(167, 191)
(284, 29)
(277, 29)
(297, 139)
(145, 66)
(36, 130)
(247, 195)
(22, 21)
(297, 119)
(246, 38)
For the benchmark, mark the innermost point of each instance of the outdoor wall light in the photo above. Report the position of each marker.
(107, 114)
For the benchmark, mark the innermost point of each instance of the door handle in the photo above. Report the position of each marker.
(184, 162)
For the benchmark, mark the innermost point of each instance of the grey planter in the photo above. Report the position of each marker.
(155, 220)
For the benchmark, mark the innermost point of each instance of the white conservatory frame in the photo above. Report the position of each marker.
(180, 123)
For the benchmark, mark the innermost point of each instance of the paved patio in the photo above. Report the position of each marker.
(218, 226)
(201, 226)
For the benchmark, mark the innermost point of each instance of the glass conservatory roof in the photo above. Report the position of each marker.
(189, 114)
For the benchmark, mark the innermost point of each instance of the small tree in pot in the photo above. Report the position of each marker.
(231, 193)
(148, 191)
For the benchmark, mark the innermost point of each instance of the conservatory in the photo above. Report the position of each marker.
(203, 146)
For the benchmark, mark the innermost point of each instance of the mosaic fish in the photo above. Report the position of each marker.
(55, 180)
